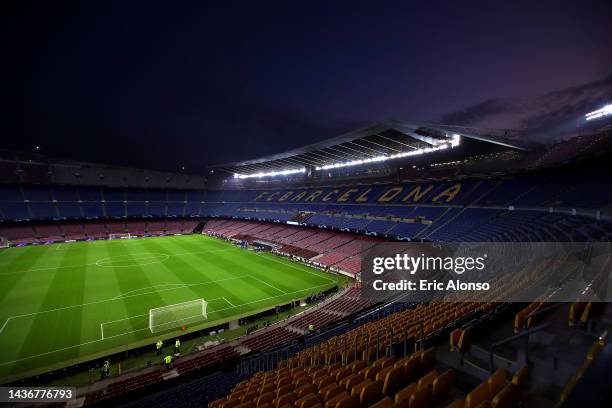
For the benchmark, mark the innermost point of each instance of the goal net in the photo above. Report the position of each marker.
(121, 236)
(176, 315)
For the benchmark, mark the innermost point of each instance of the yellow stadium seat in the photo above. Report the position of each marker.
(520, 377)
(307, 400)
(455, 335)
(508, 397)
(264, 398)
(575, 312)
(330, 391)
(405, 393)
(370, 393)
(230, 403)
(477, 396)
(216, 403)
(332, 402)
(421, 398)
(323, 382)
(341, 374)
(369, 373)
(249, 396)
(497, 381)
(349, 382)
(386, 402)
(380, 376)
(357, 366)
(348, 402)
(300, 381)
(288, 398)
(305, 390)
(427, 379)
(356, 390)
(284, 389)
(442, 385)
(393, 380)
(248, 404)
(428, 360)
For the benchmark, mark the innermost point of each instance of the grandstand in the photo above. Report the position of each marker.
(318, 210)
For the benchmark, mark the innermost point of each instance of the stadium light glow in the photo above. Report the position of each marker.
(454, 142)
(270, 174)
(605, 111)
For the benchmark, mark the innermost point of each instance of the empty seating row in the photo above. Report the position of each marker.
(20, 234)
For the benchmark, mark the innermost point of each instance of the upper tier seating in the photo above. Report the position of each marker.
(324, 205)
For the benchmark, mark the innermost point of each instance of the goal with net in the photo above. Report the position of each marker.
(176, 315)
(122, 236)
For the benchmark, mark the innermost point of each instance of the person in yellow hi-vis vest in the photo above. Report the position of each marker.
(158, 347)
(167, 361)
(177, 346)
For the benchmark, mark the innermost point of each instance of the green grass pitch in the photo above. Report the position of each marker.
(64, 303)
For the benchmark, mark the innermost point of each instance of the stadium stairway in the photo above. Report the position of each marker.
(538, 335)
(420, 379)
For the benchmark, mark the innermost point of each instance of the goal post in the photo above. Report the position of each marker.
(121, 236)
(176, 315)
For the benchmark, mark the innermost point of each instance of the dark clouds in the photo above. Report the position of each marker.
(551, 116)
(163, 85)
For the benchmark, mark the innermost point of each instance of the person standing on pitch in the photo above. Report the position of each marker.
(158, 347)
(177, 346)
(167, 361)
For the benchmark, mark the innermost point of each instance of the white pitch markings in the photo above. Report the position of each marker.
(45, 269)
(130, 296)
(146, 314)
(163, 285)
(95, 263)
(134, 331)
(292, 266)
(4, 325)
(266, 283)
(224, 298)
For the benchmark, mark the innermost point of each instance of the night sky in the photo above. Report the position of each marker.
(169, 84)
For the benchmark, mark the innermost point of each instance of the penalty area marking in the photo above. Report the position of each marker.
(123, 296)
(113, 299)
(139, 330)
(142, 315)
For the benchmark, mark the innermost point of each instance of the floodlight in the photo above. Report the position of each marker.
(605, 111)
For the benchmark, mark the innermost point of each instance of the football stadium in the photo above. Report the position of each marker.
(263, 283)
(306, 204)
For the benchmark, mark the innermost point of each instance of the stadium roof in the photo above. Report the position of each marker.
(391, 138)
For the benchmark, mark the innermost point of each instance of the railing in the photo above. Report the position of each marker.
(524, 335)
(385, 329)
(421, 339)
(539, 312)
(367, 341)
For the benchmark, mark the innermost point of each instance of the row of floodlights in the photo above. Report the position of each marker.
(450, 144)
(605, 111)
